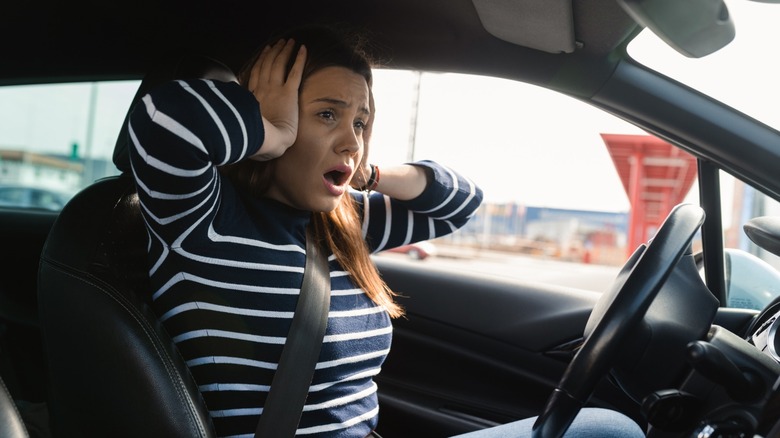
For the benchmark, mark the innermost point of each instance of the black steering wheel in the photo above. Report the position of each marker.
(645, 273)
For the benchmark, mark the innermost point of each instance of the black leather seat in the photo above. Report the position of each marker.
(11, 424)
(114, 371)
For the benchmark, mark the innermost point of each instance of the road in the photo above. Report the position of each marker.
(528, 268)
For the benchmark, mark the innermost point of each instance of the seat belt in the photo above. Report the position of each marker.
(293, 376)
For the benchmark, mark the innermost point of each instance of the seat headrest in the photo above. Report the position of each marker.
(178, 66)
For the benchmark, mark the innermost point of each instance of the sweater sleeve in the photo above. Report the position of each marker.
(179, 133)
(447, 203)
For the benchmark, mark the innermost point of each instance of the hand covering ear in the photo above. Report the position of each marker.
(364, 169)
(277, 95)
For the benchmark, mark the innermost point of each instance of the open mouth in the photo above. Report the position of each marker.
(337, 177)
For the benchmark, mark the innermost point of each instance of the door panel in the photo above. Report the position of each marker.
(475, 351)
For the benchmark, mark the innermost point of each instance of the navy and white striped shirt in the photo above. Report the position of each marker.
(226, 269)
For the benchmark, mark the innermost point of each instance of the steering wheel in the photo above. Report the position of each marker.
(645, 273)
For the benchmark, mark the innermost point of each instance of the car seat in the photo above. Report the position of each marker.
(11, 422)
(114, 371)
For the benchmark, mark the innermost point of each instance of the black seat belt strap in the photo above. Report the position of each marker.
(290, 385)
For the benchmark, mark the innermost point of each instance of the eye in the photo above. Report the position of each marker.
(327, 114)
(359, 124)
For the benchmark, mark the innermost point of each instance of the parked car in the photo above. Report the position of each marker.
(33, 197)
(665, 345)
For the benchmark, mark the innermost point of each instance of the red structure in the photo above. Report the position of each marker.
(656, 176)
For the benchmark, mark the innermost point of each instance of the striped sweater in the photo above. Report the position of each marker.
(226, 269)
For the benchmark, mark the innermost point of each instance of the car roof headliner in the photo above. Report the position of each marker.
(54, 40)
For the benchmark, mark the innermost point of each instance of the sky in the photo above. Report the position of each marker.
(519, 142)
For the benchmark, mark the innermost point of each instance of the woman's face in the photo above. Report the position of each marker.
(314, 173)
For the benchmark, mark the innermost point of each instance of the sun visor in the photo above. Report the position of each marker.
(538, 24)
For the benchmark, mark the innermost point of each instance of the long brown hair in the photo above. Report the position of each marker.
(340, 229)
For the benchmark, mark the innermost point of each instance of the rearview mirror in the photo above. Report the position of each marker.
(694, 28)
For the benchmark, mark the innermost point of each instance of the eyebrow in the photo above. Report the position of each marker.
(340, 103)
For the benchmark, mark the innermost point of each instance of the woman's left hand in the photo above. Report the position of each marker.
(363, 171)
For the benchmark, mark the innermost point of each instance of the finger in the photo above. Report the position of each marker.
(371, 109)
(254, 73)
(296, 72)
(369, 122)
(266, 67)
(280, 62)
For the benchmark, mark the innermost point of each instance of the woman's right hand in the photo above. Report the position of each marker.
(277, 96)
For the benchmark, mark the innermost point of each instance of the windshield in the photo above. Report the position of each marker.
(742, 75)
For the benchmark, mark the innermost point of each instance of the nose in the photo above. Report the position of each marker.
(350, 141)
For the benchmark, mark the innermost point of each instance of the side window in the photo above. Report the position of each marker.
(570, 190)
(57, 139)
(752, 276)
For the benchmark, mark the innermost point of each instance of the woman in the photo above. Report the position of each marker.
(230, 176)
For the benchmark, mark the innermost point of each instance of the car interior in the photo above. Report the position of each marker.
(82, 354)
